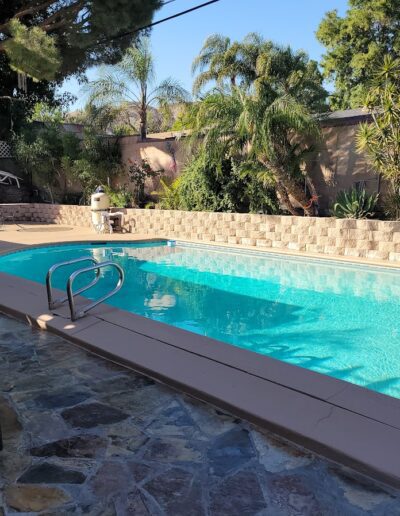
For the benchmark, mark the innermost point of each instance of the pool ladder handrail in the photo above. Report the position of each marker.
(77, 314)
(55, 303)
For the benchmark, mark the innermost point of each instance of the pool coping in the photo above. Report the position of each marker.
(351, 425)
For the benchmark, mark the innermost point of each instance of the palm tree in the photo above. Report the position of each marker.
(260, 112)
(262, 63)
(133, 80)
(222, 60)
(261, 134)
(284, 71)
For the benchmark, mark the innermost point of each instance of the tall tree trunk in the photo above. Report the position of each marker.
(143, 122)
(284, 196)
(298, 193)
(314, 195)
(287, 188)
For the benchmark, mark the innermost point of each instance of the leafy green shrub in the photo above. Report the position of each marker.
(168, 196)
(120, 197)
(98, 163)
(139, 173)
(355, 204)
(51, 157)
(203, 187)
(44, 152)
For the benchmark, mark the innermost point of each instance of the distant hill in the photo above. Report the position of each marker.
(124, 120)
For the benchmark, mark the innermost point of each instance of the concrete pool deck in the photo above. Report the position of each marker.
(349, 424)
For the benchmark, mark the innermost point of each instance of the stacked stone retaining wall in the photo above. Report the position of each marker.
(372, 239)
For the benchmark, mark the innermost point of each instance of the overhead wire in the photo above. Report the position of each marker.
(158, 22)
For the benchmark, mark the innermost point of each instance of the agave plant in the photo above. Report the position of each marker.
(355, 204)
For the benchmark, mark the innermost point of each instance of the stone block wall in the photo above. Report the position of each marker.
(47, 213)
(371, 239)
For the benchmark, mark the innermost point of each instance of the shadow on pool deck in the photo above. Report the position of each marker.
(85, 436)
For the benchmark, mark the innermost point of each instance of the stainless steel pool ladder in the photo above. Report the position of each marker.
(81, 312)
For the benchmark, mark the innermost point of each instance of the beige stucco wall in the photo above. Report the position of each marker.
(371, 239)
(164, 152)
(338, 166)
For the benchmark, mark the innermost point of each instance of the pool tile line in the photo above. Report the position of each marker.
(340, 261)
(45, 239)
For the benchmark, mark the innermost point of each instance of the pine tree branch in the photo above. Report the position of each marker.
(65, 13)
(28, 10)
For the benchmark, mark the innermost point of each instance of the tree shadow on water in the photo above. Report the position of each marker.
(296, 347)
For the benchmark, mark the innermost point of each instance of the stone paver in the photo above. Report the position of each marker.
(83, 436)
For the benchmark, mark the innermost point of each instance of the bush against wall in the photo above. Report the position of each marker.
(43, 151)
(139, 173)
(99, 162)
(204, 188)
(53, 159)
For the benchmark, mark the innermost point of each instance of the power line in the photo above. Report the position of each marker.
(177, 15)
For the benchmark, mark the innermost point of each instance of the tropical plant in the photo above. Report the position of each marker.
(168, 195)
(186, 118)
(391, 202)
(356, 44)
(380, 140)
(259, 114)
(132, 80)
(222, 60)
(355, 204)
(259, 129)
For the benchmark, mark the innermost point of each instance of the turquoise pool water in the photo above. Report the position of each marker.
(337, 319)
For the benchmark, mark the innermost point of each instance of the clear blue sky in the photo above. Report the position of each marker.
(176, 42)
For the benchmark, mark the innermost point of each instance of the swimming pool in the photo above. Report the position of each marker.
(334, 318)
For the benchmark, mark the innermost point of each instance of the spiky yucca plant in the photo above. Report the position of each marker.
(380, 139)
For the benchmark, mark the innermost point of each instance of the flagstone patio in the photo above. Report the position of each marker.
(85, 436)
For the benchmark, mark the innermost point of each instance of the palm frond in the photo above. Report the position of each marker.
(108, 88)
(214, 45)
(169, 91)
(138, 63)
